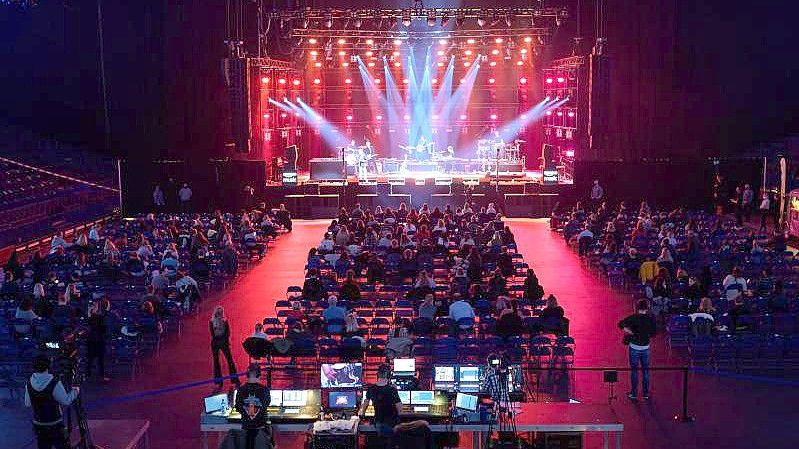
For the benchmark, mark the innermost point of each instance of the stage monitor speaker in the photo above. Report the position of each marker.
(236, 76)
(548, 161)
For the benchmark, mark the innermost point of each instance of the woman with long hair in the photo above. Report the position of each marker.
(220, 341)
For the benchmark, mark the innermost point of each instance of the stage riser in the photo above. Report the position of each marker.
(313, 206)
(530, 205)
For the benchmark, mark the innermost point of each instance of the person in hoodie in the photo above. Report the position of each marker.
(46, 395)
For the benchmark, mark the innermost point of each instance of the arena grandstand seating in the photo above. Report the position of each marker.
(148, 272)
(749, 321)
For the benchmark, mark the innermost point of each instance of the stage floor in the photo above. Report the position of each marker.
(534, 176)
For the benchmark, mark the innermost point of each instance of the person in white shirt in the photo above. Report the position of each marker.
(584, 240)
(57, 241)
(185, 197)
(94, 234)
(765, 207)
(385, 241)
(424, 280)
(185, 281)
(734, 284)
(326, 245)
(460, 309)
(491, 209)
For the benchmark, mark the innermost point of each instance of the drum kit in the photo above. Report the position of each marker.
(488, 149)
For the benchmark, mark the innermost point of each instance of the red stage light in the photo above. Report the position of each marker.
(349, 118)
(440, 53)
(523, 80)
(284, 115)
(296, 82)
(369, 41)
(405, 81)
(498, 40)
(493, 116)
(317, 81)
(347, 81)
(467, 53)
(345, 64)
(434, 80)
(266, 115)
(491, 81)
(370, 64)
(463, 80)
(519, 63)
(396, 53)
(570, 153)
(523, 51)
(469, 41)
(264, 80)
(282, 81)
(561, 79)
(314, 52)
(317, 64)
(440, 64)
(492, 63)
(342, 41)
(467, 63)
(495, 52)
(312, 41)
(549, 112)
(397, 64)
(342, 53)
(528, 39)
(523, 116)
(549, 80)
(377, 80)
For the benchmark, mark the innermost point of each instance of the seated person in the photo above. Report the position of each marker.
(313, 289)
(510, 323)
(334, 312)
(461, 309)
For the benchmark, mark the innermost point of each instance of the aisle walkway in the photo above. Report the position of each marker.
(731, 413)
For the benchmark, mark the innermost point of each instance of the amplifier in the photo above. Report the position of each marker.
(329, 168)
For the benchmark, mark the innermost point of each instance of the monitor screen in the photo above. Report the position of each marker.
(469, 374)
(275, 398)
(216, 403)
(444, 374)
(404, 367)
(421, 397)
(466, 402)
(342, 375)
(295, 398)
(405, 397)
(342, 399)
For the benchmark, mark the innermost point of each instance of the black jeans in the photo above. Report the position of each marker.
(49, 437)
(96, 351)
(225, 348)
(251, 435)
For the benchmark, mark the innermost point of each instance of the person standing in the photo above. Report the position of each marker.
(252, 399)
(220, 341)
(764, 208)
(45, 394)
(597, 193)
(184, 195)
(387, 405)
(95, 341)
(748, 201)
(639, 328)
(158, 197)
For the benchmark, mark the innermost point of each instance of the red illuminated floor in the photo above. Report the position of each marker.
(730, 413)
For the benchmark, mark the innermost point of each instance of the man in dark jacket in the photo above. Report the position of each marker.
(252, 399)
(46, 395)
(638, 329)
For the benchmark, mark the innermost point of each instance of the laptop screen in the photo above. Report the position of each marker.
(216, 403)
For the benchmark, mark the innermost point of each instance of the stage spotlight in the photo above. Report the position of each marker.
(405, 81)
(347, 81)
(342, 41)
(481, 22)
(528, 39)
(435, 116)
(570, 114)
(440, 64)
(522, 80)
(406, 117)
(463, 80)
(466, 63)
(561, 79)
(370, 64)
(296, 82)
(463, 116)
(492, 63)
(266, 115)
(349, 118)
(434, 81)
(369, 53)
(495, 52)
(397, 64)
(519, 62)
(550, 80)
(313, 52)
(499, 40)
(440, 53)
(317, 81)
(467, 52)
(345, 64)
(265, 80)
(283, 115)
(282, 81)
(569, 153)
(406, 18)
(379, 117)
(470, 41)
(369, 41)
(431, 18)
(312, 41)
(397, 42)
(523, 51)
(549, 112)
(317, 64)
(442, 42)
(493, 116)
(560, 114)
(342, 53)
(377, 80)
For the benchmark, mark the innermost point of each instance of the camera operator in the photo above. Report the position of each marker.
(46, 394)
